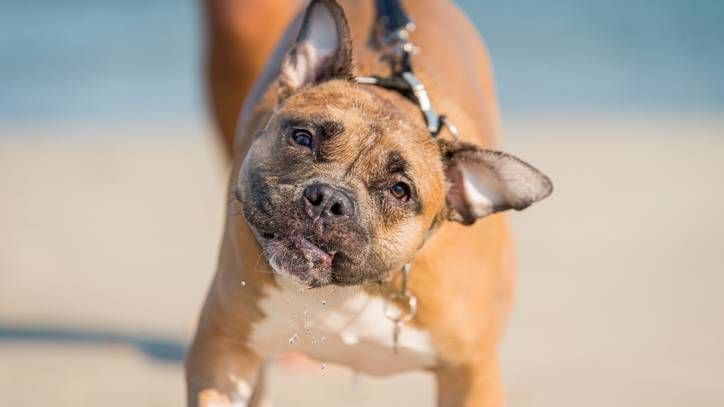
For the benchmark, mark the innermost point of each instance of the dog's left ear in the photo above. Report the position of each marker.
(482, 182)
(323, 49)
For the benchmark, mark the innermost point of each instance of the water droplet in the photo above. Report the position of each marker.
(306, 313)
(323, 366)
(323, 339)
(243, 283)
(324, 303)
(293, 338)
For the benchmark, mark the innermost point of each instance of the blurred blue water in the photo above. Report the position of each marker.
(99, 60)
(617, 55)
(140, 60)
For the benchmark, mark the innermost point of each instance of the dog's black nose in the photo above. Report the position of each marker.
(322, 200)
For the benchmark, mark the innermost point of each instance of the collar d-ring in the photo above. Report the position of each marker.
(404, 296)
(400, 316)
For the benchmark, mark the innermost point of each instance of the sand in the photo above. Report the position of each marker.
(116, 232)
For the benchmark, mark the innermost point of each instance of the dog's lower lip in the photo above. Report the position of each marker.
(314, 251)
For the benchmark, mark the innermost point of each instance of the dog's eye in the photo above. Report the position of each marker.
(302, 137)
(401, 191)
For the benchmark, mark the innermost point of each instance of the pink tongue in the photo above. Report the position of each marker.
(312, 252)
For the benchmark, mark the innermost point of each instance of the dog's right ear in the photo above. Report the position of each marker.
(323, 49)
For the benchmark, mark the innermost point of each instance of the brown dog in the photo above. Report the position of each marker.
(336, 187)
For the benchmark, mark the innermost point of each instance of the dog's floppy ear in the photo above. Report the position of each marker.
(322, 51)
(482, 182)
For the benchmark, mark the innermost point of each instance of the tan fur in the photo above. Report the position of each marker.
(462, 276)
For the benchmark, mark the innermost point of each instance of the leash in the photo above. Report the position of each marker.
(392, 31)
(393, 35)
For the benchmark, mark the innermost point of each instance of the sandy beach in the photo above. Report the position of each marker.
(109, 238)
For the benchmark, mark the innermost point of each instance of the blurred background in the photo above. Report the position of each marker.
(111, 203)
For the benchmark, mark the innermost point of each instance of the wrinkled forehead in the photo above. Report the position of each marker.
(367, 121)
(363, 116)
(345, 103)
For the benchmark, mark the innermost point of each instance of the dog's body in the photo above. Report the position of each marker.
(461, 275)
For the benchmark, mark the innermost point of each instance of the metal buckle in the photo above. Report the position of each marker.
(432, 119)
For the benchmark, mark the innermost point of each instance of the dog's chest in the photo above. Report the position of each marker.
(340, 325)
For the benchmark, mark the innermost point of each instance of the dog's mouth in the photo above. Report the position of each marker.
(311, 253)
(299, 257)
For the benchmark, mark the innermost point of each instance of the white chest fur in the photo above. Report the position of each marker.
(343, 325)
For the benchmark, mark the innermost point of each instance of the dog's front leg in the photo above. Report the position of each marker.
(221, 372)
(470, 385)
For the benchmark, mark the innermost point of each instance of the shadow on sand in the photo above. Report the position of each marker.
(160, 349)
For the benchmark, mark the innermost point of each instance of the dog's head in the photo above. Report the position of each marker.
(341, 188)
